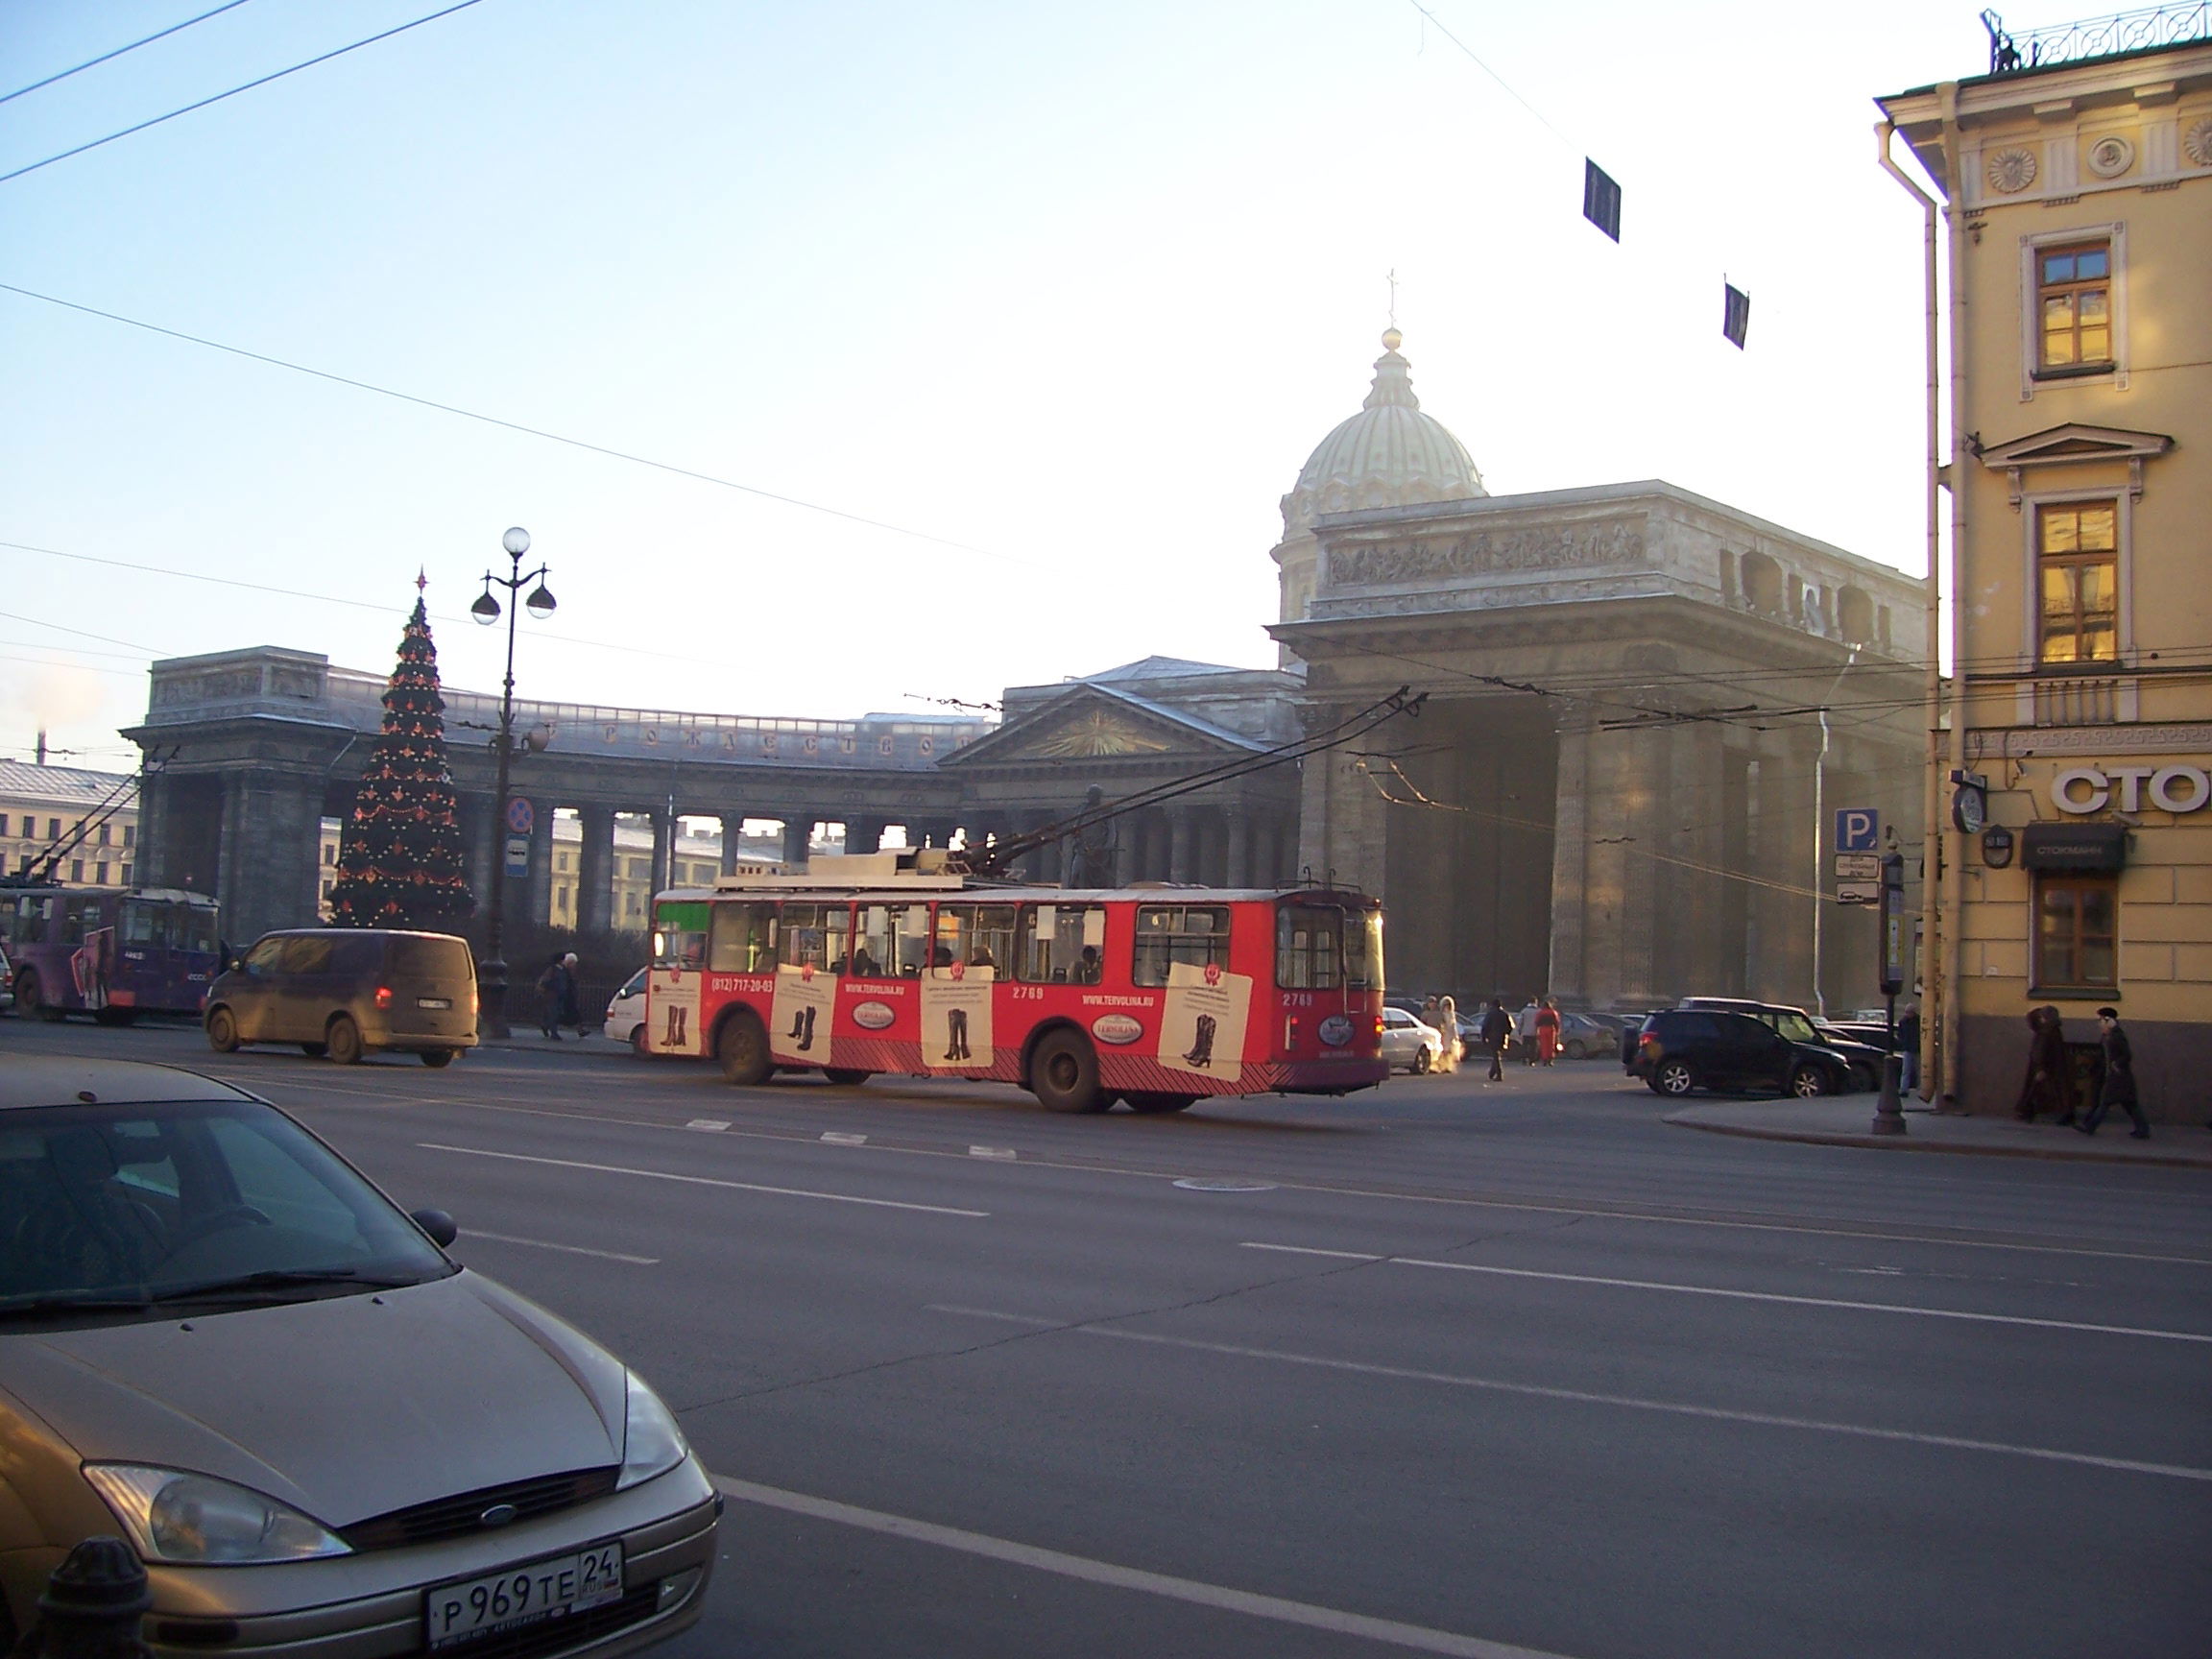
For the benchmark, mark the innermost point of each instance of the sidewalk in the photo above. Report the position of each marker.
(529, 1039)
(1846, 1120)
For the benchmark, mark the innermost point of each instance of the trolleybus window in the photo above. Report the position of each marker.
(1363, 949)
(973, 936)
(895, 939)
(1309, 947)
(1060, 943)
(741, 939)
(1196, 934)
(680, 935)
(814, 936)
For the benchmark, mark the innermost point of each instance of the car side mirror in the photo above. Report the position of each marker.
(441, 1227)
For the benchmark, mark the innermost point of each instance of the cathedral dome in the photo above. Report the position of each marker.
(1387, 455)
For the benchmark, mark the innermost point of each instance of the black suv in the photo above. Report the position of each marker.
(1684, 1048)
(1799, 1026)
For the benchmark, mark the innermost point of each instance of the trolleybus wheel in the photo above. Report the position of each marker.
(343, 1039)
(1063, 1074)
(28, 995)
(222, 1031)
(847, 1076)
(742, 1048)
(1149, 1104)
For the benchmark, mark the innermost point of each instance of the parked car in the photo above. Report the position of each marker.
(1799, 1026)
(1582, 1035)
(626, 1014)
(347, 992)
(1684, 1048)
(322, 1435)
(7, 982)
(1409, 1043)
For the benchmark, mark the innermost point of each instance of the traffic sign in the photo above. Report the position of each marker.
(1859, 866)
(522, 817)
(1857, 892)
(518, 855)
(1857, 830)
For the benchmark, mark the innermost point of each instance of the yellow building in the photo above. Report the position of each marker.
(87, 821)
(2076, 186)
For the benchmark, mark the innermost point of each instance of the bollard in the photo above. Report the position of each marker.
(91, 1606)
(1889, 1110)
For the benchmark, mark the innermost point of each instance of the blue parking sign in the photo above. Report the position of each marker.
(1857, 830)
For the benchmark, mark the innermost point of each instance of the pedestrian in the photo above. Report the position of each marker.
(1547, 1032)
(1497, 1033)
(2047, 1084)
(571, 1012)
(2116, 1078)
(549, 998)
(1908, 1045)
(1448, 1027)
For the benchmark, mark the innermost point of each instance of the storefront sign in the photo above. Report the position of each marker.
(2074, 847)
(2084, 789)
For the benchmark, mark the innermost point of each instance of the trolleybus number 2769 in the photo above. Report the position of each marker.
(1152, 996)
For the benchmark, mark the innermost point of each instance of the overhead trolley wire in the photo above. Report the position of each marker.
(515, 425)
(217, 98)
(105, 57)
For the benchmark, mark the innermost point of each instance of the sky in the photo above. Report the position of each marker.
(1058, 297)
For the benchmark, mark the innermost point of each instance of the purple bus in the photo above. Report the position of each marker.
(110, 952)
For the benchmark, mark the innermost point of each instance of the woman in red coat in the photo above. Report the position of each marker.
(1547, 1032)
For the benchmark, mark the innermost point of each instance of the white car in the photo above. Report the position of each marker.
(626, 1014)
(1410, 1044)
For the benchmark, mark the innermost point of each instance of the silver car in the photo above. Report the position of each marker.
(219, 1341)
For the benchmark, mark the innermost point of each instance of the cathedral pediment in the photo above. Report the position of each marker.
(1091, 723)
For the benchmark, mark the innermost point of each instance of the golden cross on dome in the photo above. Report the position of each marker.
(1392, 279)
(422, 579)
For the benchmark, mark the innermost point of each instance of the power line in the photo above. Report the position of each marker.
(249, 86)
(105, 57)
(515, 425)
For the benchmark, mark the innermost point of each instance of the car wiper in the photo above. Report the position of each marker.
(103, 1303)
(277, 1278)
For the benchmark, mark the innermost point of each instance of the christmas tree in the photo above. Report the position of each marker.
(400, 853)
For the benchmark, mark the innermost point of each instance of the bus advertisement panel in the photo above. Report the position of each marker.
(113, 954)
(1156, 997)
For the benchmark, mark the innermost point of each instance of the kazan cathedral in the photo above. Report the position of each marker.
(1621, 727)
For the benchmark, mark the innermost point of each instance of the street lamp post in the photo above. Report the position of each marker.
(492, 972)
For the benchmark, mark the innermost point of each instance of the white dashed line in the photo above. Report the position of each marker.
(712, 1125)
(2152, 1333)
(564, 1249)
(838, 1138)
(991, 1152)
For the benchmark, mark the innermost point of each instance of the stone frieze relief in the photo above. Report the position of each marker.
(1612, 541)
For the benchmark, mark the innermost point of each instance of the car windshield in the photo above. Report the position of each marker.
(133, 1207)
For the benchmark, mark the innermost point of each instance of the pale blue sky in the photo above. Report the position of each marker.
(1078, 286)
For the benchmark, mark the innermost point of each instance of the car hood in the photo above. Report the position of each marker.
(346, 1408)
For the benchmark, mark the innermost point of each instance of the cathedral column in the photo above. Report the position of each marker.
(1178, 842)
(594, 869)
(797, 832)
(1570, 977)
(1239, 857)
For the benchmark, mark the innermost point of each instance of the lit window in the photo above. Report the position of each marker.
(2074, 306)
(2077, 932)
(2078, 576)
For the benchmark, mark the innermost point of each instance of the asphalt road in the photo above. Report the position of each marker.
(1448, 1368)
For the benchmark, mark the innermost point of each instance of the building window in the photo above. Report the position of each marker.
(3, 822)
(104, 828)
(2074, 307)
(53, 829)
(329, 852)
(77, 871)
(2077, 932)
(126, 874)
(100, 875)
(2078, 578)
(130, 834)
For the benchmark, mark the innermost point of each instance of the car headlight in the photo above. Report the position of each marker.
(196, 1520)
(651, 1442)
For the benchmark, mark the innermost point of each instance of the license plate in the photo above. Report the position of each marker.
(433, 1002)
(548, 1589)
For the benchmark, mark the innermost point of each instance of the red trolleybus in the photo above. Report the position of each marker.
(897, 962)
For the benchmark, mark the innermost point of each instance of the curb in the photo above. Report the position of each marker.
(2087, 1154)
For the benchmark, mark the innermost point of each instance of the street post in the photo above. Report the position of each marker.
(1889, 1111)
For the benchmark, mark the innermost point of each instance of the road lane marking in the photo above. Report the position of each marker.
(703, 1181)
(1006, 1152)
(568, 1249)
(1417, 1637)
(838, 1138)
(711, 1125)
(2152, 1333)
(1587, 1397)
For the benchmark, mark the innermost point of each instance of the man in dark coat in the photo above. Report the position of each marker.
(2116, 1079)
(1496, 1032)
(2048, 1083)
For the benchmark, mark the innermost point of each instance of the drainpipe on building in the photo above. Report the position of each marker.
(1954, 957)
(1931, 825)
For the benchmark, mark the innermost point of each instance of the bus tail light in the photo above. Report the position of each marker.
(383, 996)
(1290, 1034)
